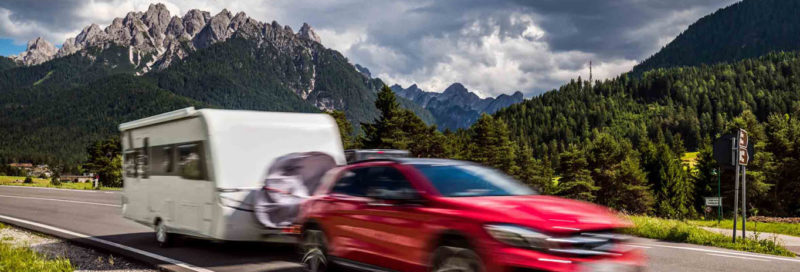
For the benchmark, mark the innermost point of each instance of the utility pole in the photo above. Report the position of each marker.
(590, 74)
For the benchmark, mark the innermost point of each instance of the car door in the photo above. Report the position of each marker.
(343, 201)
(391, 232)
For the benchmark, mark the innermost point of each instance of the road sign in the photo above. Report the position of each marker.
(743, 157)
(713, 201)
(742, 139)
(724, 154)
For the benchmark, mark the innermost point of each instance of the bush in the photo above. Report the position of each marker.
(28, 180)
(677, 231)
(55, 181)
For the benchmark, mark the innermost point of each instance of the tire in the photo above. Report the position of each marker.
(163, 237)
(314, 250)
(456, 259)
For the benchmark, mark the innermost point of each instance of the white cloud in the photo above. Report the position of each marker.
(491, 47)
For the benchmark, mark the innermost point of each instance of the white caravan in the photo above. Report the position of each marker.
(197, 172)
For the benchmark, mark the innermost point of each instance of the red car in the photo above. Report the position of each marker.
(447, 215)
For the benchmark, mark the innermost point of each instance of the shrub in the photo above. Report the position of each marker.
(28, 180)
(55, 181)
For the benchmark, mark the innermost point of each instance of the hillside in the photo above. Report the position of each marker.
(694, 102)
(55, 103)
(747, 29)
(6, 63)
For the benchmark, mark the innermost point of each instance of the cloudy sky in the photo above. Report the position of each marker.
(492, 47)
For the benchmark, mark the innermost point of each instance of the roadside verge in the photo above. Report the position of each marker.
(156, 260)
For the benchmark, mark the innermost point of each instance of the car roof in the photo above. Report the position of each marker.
(426, 161)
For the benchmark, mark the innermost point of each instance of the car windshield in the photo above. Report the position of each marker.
(466, 180)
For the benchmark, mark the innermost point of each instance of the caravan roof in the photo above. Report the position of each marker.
(243, 144)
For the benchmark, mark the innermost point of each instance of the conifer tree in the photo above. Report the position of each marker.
(576, 181)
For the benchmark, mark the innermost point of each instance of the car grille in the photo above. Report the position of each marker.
(590, 244)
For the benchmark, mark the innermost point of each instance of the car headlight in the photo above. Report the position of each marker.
(519, 236)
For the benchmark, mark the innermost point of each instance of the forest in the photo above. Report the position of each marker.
(619, 142)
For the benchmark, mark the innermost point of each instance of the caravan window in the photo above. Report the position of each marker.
(130, 164)
(190, 161)
(161, 162)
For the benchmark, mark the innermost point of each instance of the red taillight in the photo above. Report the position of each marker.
(294, 229)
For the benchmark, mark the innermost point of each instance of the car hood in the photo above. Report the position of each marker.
(546, 213)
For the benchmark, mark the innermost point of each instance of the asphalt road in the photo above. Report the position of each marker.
(93, 218)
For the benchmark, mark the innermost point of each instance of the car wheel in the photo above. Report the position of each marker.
(163, 237)
(456, 259)
(314, 249)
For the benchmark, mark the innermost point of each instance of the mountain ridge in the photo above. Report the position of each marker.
(746, 29)
(456, 107)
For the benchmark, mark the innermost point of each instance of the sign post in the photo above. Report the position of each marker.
(734, 150)
(743, 159)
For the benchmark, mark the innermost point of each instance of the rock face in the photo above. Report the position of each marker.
(38, 51)
(307, 32)
(456, 107)
(155, 38)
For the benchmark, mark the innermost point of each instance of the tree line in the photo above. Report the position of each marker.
(616, 148)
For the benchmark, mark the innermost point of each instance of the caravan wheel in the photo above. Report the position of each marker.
(163, 237)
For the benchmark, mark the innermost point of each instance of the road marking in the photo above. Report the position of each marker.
(106, 242)
(738, 257)
(796, 260)
(62, 200)
(62, 189)
(640, 246)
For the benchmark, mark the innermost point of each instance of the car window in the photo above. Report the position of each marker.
(351, 183)
(387, 178)
(465, 180)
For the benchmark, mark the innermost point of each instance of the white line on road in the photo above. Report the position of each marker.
(738, 257)
(61, 189)
(645, 247)
(796, 260)
(61, 200)
(98, 240)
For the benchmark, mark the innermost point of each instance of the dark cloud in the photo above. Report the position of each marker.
(491, 46)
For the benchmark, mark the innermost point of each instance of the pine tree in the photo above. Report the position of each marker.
(576, 181)
(491, 145)
(535, 173)
(345, 129)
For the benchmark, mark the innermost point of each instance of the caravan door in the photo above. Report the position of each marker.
(193, 211)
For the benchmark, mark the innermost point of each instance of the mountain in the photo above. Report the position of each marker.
(56, 103)
(38, 51)
(747, 29)
(456, 107)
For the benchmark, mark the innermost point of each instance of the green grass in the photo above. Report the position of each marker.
(682, 232)
(24, 259)
(37, 182)
(780, 228)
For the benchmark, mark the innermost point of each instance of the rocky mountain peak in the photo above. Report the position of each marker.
(39, 50)
(308, 33)
(194, 20)
(155, 38)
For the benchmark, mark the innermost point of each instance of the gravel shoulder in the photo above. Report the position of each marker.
(81, 258)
